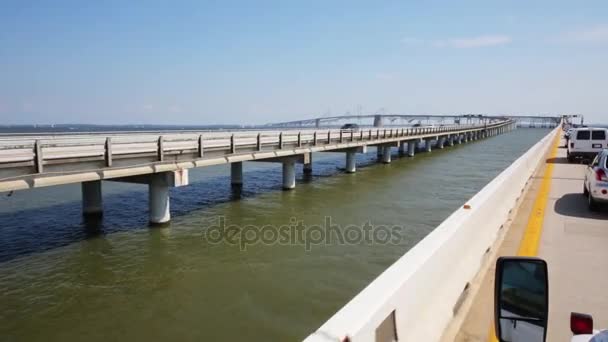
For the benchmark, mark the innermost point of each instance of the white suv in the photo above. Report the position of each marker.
(596, 180)
(586, 142)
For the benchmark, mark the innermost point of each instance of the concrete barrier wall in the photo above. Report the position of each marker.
(419, 291)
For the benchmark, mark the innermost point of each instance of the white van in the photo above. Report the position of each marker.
(586, 143)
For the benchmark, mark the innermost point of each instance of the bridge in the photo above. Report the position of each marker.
(442, 289)
(381, 120)
(162, 160)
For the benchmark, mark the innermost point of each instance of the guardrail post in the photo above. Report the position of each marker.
(341, 136)
(201, 146)
(258, 142)
(314, 138)
(108, 150)
(299, 139)
(232, 144)
(384, 134)
(161, 149)
(281, 141)
(370, 135)
(38, 159)
(352, 134)
(328, 137)
(361, 137)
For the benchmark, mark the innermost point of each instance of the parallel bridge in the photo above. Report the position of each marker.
(162, 160)
(383, 120)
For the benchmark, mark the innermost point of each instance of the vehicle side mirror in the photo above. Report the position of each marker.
(521, 299)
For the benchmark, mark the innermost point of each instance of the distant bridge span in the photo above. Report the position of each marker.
(380, 120)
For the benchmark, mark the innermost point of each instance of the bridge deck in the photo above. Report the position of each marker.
(573, 242)
(33, 161)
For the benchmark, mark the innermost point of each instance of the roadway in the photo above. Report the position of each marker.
(573, 242)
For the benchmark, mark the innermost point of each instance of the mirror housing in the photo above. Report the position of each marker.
(521, 299)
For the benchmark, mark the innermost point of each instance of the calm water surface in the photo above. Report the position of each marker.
(62, 279)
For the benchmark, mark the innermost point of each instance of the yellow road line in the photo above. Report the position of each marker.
(531, 239)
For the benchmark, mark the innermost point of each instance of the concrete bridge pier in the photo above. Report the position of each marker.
(402, 148)
(411, 148)
(440, 142)
(289, 174)
(450, 140)
(158, 197)
(379, 151)
(307, 168)
(236, 174)
(428, 145)
(351, 162)
(386, 154)
(92, 204)
(158, 191)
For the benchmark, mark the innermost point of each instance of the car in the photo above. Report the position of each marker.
(350, 127)
(596, 181)
(586, 143)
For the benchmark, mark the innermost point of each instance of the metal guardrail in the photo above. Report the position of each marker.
(39, 151)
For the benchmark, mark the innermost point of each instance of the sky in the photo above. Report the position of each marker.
(255, 62)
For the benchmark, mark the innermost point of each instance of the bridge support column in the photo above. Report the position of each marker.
(440, 142)
(158, 197)
(402, 148)
(379, 151)
(386, 154)
(351, 162)
(289, 174)
(411, 148)
(307, 168)
(451, 140)
(92, 204)
(427, 145)
(236, 174)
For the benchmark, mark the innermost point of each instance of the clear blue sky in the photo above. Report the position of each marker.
(209, 62)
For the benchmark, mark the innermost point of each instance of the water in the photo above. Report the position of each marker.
(62, 279)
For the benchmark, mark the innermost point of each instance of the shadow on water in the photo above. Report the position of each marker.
(575, 205)
(35, 230)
